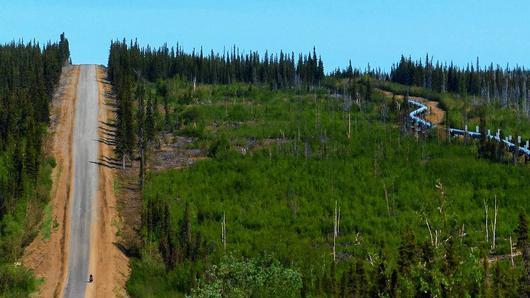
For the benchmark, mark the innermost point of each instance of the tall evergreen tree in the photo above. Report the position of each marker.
(522, 231)
(185, 232)
(524, 246)
(408, 252)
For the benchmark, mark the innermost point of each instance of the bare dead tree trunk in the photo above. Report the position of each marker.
(336, 219)
(298, 134)
(430, 232)
(142, 168)
(223, 231)
(511, 252)
(338, 223)
(494, 224)
(142, 159)
(440, 188)
(349, 125)
(486, 212)
(387, 204)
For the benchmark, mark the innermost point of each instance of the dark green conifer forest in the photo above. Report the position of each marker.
(29, 73)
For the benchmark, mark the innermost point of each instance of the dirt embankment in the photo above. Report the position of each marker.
(47, 256)
(108, 263)
(435, 114)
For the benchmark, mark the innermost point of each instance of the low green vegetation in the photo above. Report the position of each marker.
(19, 229)
(250, 278)
(279, 198)
(469, 111)
(316, 185)
(16, 281)
(47, 223)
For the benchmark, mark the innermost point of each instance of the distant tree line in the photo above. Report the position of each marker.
(29, 73)
(279, 70)
(350, 73)
(506, 85)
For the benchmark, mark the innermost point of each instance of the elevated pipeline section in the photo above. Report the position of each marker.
(416, 117)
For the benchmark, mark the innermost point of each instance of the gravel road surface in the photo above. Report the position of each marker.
(85, 182)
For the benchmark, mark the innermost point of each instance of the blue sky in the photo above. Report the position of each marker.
(375, 32)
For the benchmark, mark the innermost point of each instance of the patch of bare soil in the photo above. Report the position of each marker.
(47, 257)
(390, 94)
(129, 206)
(435, 115)
(175, 153)
(108, 263)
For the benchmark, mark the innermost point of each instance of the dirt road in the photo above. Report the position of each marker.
(85, 182)
(85, 221)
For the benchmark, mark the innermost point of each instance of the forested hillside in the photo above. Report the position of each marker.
(308, 189)
(29, 73)
(129, 63)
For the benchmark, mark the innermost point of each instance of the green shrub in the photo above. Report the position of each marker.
(219, 147)
(235, 277)
(16, 281)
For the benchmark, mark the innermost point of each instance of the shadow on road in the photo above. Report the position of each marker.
(106, 141)
(111, 124)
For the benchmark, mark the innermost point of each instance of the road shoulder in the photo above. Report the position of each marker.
(109, 264)
(47, 257)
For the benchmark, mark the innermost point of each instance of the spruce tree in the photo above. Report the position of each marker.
(483, 144)
(150, 120)
(497, 281)
(452, 257)
(522, 231)
(427, 254)
(394, 284)
(368, 93)
(185, 232)
(407, 252)
(523, 245)
(381, 285)
(361, 285)
(140, 131)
